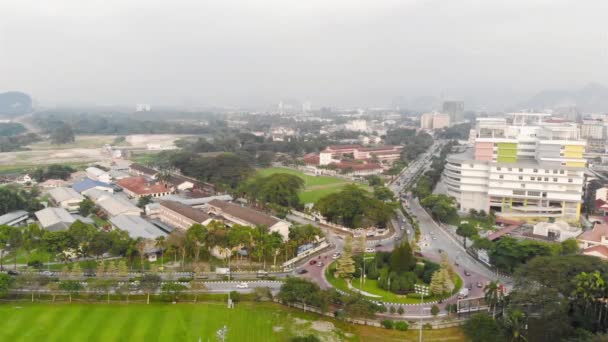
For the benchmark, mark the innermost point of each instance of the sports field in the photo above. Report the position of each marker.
(184, 322)
(315, 187)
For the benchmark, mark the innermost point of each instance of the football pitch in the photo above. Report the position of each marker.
(21, 321)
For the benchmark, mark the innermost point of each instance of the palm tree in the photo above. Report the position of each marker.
(161, 243)
(515, 324)
(493, 296)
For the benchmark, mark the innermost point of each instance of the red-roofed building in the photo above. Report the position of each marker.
(600, 251)
(139, 186)
(311, 159)
(598, 236)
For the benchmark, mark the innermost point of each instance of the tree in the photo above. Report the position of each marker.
(441, 207)
(435, 310)
(86, 207)
(63, 134)
(149, 283)
(493, 295)
(466, 230)
(374, 181)
(345, 264)
(514, 323)
(298, 290)
(172, 290)
(31, 281)
(402, 258)
(482, 328)
(72, 287)
(6, 282)
(195, 239)
(103, 286)
(569, 247)
(441, 283)
(161, 244)
(383, 193)
(143, 201)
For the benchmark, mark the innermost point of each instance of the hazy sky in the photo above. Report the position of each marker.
(331, 52)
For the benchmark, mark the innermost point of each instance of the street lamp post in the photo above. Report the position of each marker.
(422, 290)
(362, 279)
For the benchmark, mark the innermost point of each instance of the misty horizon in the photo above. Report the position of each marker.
(343, 53)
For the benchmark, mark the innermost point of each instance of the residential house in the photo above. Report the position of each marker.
(598, 236)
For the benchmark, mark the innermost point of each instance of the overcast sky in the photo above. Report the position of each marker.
(330, 52)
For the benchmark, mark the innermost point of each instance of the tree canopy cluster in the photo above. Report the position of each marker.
(280, 189)
(13, 198)
(414, 144)
(55, 171)
(62, 134)
(354, 207)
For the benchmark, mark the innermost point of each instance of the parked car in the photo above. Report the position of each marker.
(242, 285)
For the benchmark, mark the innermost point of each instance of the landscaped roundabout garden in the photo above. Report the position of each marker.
(391, 276)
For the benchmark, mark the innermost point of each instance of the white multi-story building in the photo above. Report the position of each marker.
(521, 167)
(434, 120)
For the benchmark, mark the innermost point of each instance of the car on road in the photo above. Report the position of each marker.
(320, 264)
(47, 273)
(312, 262)
(12, 273)
(242, 285)
(378, 245)
(303, 271)
(469, 286)
(336, 256)
(369, 250)
(479, 284)
(467, 273)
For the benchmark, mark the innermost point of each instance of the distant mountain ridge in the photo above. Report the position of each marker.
(15, 103)
(591, 98)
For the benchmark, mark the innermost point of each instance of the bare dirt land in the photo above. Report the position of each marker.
(86, 149)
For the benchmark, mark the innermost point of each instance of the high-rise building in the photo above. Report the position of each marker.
(523, 166)
(434, 121)
(455, 110)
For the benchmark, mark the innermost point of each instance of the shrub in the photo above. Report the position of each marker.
(414, 295)
(400, 310)
(309, 338)
(388, 324)
(435, 310)
(427, 326)
(35, 264)
(184, 279)
(401, 326)
(392, 310)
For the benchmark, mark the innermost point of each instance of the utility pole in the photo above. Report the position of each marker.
(422, 291)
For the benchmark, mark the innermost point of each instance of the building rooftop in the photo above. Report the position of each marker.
(114, 205)
(143, 169)
(184, 210)
(254, 217)
(62, 194)
(137, 227)
(192, 202)
(87, 184)
(12, 216)
(595, 234)
(52, 216)
(141, 186)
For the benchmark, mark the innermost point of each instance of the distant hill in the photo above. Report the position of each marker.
(591, 98)
(15, 103)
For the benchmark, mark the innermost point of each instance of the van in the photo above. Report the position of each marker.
(463, 293)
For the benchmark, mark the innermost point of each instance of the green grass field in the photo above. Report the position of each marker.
(315, 187)
(184, 322)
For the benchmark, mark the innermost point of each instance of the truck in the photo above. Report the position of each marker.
(463, 293)
(222, 271)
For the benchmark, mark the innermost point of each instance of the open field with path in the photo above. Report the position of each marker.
(185, 322)
(315, 187)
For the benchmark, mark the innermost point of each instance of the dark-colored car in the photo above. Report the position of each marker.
(312, 262)
(303, 271)
(12, 272)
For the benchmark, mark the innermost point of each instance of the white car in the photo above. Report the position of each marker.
(242, 285)
(369, 250)
(336, 256)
